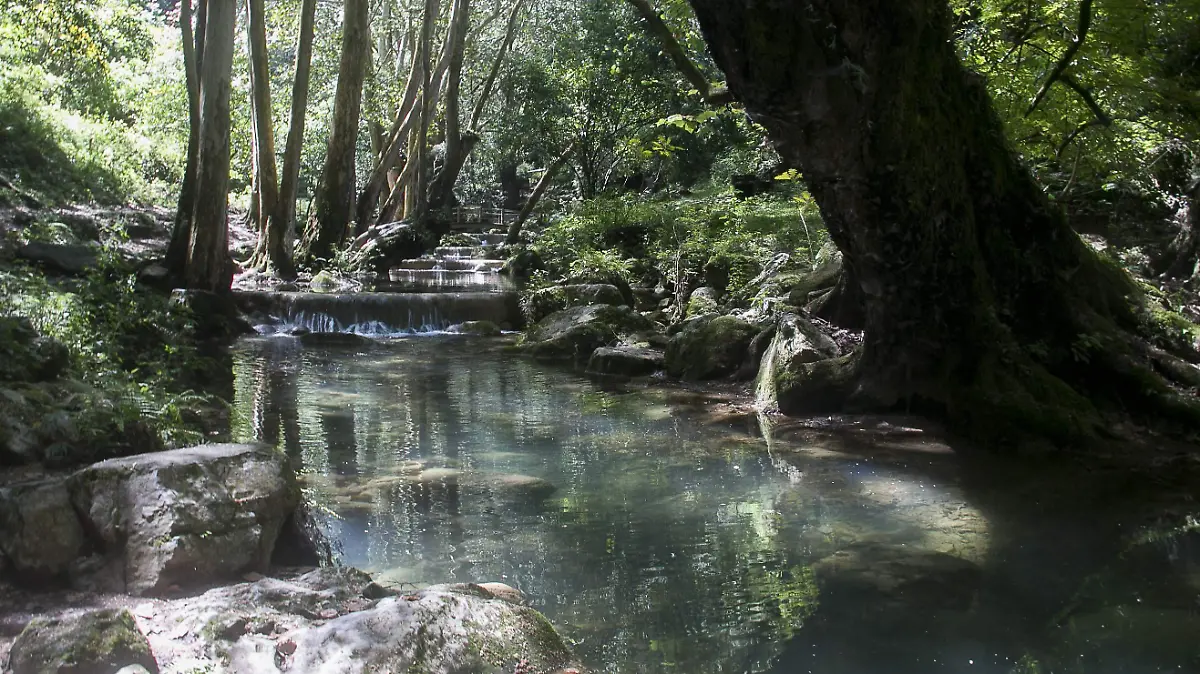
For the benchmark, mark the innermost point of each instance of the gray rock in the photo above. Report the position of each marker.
(573, 334)
(187, 516)
(703, 302)
(796, 346)
(626, 361)
(709, 348)
(65, 258)
(476, 328)
(97, 642)
(542, 303)
(441, 630)
(39, 532)
(513, 485)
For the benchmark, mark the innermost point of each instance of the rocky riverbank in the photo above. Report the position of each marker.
(202, 559)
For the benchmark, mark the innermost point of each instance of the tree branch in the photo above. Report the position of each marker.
(659, 28)
(1102, 117)
(1085, 23)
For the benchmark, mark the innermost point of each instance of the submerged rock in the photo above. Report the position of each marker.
(97, 642)
(893, 576)
(573, 334)
(626, 361)
(709, 348)
(476, 328)
(320, 339)
(541, 303)
(184, 517)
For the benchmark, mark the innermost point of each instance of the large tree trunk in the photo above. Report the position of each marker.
(208, 264)
(290, 180)
(271, 250)
(181, 233)
(981, 305)
(514, 230)
(334, 203)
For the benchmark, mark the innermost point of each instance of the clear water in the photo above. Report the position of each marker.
(677, 539)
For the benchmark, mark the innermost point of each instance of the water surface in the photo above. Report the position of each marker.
(662, 536)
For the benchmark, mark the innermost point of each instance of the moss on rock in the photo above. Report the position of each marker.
(97, 642)
(709, 348)
(573, 334)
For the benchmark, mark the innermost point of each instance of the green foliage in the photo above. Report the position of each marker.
(718, 240)
(129, 353)
(99, 116)
(1127, 95)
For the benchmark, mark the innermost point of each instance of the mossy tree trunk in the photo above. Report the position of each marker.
(333, 205)
(290, 180)
(208, 265)
(193, 47)
(981, 305)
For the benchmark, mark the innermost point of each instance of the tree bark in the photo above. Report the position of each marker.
(485, 92)
(271, 251)
(416, 200)
(441, 188)
(514, 230)
(334, 204)
(181, 233)
(981, 305)
(208, 264)
(290, 180)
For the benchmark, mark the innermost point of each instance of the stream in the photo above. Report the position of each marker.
(661, 535)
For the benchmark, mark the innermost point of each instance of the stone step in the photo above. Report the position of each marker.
(462, 252)
(451, 264)
(442, 280)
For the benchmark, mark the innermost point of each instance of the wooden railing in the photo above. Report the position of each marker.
(474, 217)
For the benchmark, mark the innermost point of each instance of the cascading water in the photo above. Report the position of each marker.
(425, 295)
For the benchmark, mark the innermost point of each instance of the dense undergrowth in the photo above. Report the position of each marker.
(95, 366)
(711, 239)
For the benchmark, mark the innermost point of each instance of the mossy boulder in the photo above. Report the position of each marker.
(709, 348)
(626, 361)
(476, 328)
(573, 334)
(40, 534)
(96, 642)
(703, 302)
(541, 303)
(791, 361)
(440, 630)
(27, 356)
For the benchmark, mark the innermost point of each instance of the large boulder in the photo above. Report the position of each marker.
(27, 356)
(626, 361)
(96, 642)
(185, 517)
(710, 347)
(64, 258)
(797, 346)
(703, 301)
(573, 334)
(446, 629)
(39, 532)
(541, 303)
(899, 577)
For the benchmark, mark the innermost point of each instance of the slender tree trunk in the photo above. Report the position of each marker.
(514, 230)
(208, 263)
(441, 189)
(416, 204)
(334, 205)
(271, 251)
(289, 183)
(396, 138)
(181, 233)
(485, 92)
(981, 305)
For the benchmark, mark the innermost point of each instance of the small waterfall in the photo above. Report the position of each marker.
(376, 314)
(454, 285)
